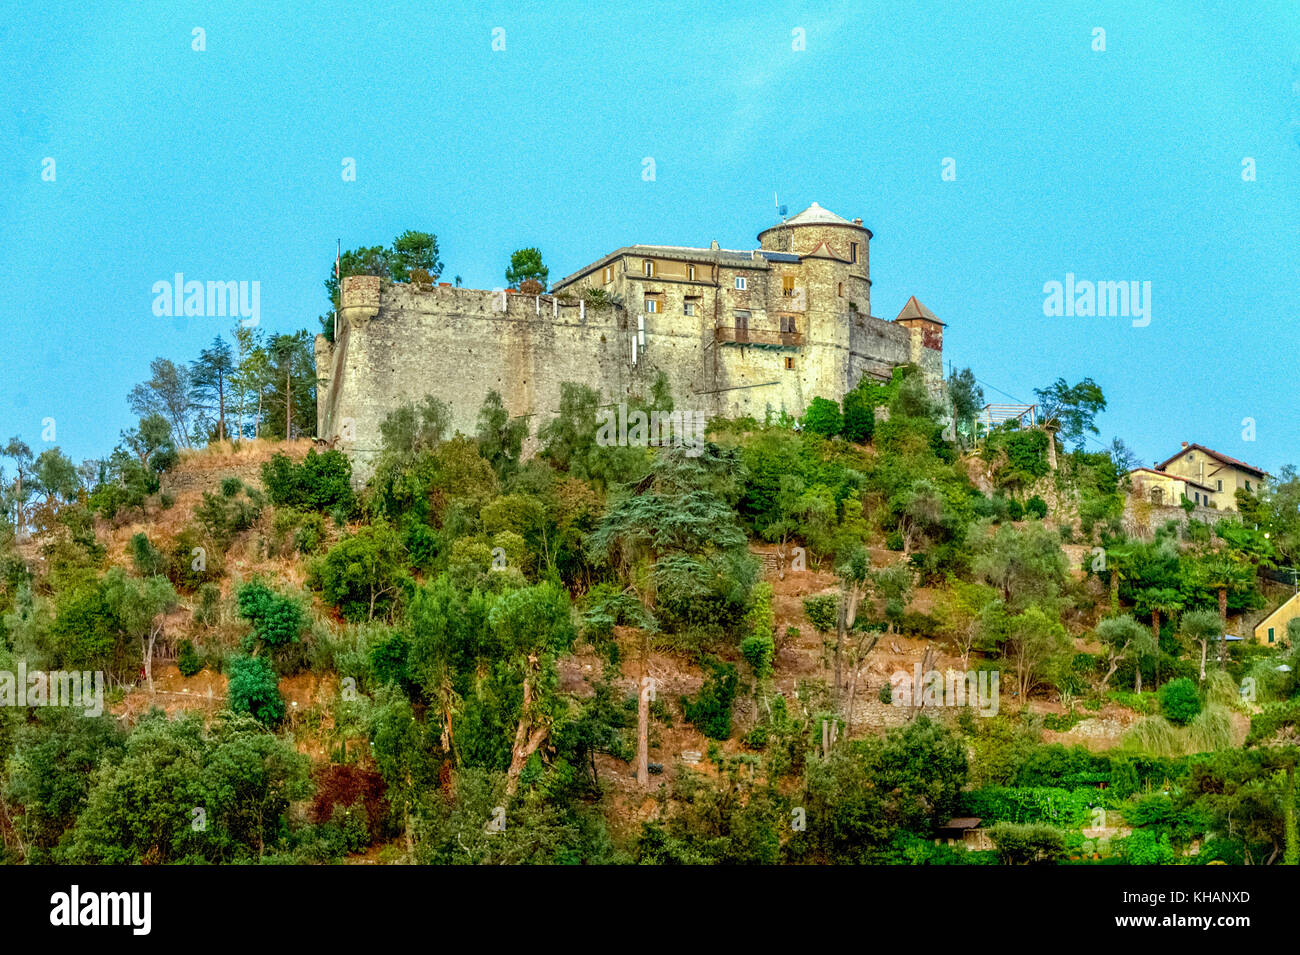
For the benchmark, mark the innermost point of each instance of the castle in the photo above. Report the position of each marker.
(735, 333)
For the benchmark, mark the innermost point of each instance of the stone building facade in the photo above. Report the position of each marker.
(734, 332)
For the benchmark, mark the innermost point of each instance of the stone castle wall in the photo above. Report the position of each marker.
(399, 342)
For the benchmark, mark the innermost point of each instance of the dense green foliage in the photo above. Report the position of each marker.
(479, 648)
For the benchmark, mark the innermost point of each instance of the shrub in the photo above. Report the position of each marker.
(1025, 844)
(277, 620)
(1154, 736)
(758, 652)
(823, 417)
(710, 711)
(321, 483)
(236, 508)
(188, 660)
(208, 611)
(364, 575)
(148, 560)
(1180, 701)
(1210, 730)
(1036, 507)
(254, 689)
(1146, 847)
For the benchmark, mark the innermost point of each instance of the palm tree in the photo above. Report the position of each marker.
(1120, 559)
(1222, 574)
(1158, 601)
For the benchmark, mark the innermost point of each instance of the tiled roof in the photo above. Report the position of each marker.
(1214, 454)
(914, 309)
(1172, 477)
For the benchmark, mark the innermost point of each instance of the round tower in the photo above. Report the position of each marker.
(821, 233)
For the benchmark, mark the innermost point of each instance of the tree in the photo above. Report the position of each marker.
(1036, 643)
(365, 573)
(967, 399)
(1071, 410)
(962, 615)
(141, 808)
(277, 619)
(1223, 575)
(210, 380)
(665, 536)
(1025, 564)
(248, 376)
(500, 437)
(367, 260)
(1199, 627)
(533, 626)
(151, 443)
(1124, 638)
(55, 477)
(138, 606)
(860, 411)
(291, 399)
(526, 266)
(411, 428)
(414, 250)
(18, 452)
(167, 392)
(1277, 730)
(920, 511)
(402, 751)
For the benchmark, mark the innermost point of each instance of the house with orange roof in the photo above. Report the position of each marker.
(1214, 478)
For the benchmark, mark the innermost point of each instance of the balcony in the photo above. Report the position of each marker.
(757, 338)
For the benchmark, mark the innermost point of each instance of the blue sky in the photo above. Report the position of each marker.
(1122, 165)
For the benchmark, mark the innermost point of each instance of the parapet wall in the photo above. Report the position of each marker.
(398, 342)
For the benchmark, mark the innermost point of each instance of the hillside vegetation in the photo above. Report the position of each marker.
(747, 650)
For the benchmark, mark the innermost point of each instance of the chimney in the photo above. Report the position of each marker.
(857, 222)
(714, 245)
(1184, 444)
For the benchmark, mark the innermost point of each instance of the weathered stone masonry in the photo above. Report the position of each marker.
(735, 333)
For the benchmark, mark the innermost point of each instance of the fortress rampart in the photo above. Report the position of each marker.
(734, 333)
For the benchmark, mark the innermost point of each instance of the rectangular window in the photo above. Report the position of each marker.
(742, 283)
(1247, 485)
(787, 324)
(688, 308)
(1220, 484)
(853, 253)
(609, 274)
(742, 326)
(648, 267)
(789, 363)
(787, 286)
(1270, 634)
(651, 305)
(690, 273)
